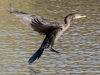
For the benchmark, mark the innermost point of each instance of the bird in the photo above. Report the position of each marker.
(51, 30)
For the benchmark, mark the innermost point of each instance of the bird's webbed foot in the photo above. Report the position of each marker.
(53, 50)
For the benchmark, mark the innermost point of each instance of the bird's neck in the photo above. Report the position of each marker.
(67, 23)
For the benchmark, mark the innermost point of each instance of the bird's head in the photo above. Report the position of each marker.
(73, 16)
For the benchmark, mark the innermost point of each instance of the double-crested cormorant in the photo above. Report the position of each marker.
(51, 30)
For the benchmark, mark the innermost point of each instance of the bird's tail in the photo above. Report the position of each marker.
(36, 55)
(17, 13)
(39, 52)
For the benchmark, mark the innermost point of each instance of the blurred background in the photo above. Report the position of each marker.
(80, 43)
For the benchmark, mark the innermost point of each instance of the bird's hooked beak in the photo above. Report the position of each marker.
(79, 16)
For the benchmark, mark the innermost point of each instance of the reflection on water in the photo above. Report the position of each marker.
(80, 43)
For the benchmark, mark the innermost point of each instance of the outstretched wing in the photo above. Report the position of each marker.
(43, 26)
(38, 23)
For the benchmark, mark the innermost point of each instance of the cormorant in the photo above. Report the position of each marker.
(51, 30)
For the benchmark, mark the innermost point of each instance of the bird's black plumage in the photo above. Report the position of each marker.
(51, 30)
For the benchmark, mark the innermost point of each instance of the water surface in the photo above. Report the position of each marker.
(80, 43)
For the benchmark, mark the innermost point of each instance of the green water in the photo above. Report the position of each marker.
(80, 43)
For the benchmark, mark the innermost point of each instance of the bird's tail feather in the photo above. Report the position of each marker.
(39, 52)
(36, 55)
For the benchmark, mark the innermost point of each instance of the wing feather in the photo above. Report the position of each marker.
(38, 23)
(42, 25)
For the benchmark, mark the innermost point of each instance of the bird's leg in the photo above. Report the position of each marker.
(51, 44)
(53, 50)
